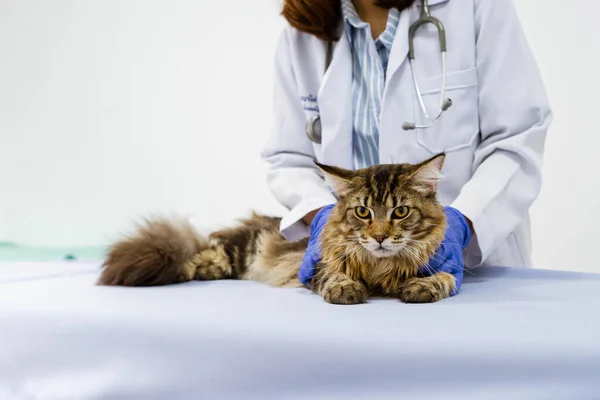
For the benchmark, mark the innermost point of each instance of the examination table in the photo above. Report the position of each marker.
(510, 334)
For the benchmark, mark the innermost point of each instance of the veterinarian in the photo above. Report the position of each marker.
(345, 96)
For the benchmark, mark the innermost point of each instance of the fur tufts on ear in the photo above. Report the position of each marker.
(339, 179)
(429, 173)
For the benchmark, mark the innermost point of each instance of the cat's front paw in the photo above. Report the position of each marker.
(346, 291)
(427, 290)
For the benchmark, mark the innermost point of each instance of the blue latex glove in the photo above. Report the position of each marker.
(313, 251)
(449, 256)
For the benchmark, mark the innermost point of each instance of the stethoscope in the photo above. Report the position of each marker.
(313, 125)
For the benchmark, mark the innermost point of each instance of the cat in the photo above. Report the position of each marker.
(385, 226)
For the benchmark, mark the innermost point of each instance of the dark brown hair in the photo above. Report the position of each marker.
(322, 17)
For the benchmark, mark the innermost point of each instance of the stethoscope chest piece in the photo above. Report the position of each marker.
(313, 125)
(313, 129)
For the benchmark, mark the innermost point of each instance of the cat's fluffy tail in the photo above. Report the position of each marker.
(164, 251)
(160, 252)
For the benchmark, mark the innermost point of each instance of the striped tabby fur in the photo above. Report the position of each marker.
(378, 254)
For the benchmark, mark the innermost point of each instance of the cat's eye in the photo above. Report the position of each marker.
(400, 212)
(362, 212)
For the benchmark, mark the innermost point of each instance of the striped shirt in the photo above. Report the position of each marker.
(369, 64)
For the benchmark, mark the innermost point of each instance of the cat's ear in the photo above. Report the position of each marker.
(428, 173)
(339, 179)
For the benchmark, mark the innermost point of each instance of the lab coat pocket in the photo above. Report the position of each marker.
(458, 126)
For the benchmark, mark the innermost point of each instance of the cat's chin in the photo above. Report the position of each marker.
(383, 253)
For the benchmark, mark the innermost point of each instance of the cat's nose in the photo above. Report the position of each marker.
(380, 238)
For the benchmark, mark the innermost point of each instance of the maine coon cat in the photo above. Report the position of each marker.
(386, 224)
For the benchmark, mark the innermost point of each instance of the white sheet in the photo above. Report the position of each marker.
(510, 334)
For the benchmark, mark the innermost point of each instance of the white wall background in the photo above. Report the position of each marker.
(565, 39)
(113, 109)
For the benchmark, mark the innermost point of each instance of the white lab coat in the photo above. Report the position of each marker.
(493, 134)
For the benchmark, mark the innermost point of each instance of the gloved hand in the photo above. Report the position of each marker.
(313, 251)
(449, 256)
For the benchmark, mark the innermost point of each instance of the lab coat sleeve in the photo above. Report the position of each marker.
(293, 178)
(514, 117)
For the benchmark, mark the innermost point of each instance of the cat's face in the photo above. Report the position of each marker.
(388, 209)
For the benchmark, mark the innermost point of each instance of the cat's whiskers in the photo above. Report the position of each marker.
(453, 266)
(432, 274)
(339, 258)
(413, 254)
(436, 242)
(437, 257)
(351, 248)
